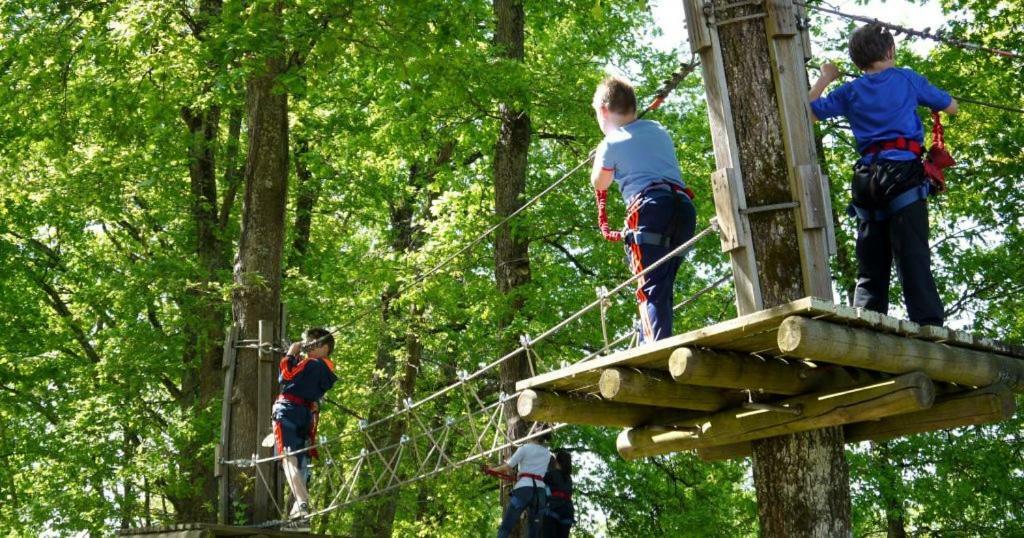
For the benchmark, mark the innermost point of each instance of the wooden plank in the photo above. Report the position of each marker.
(934, 334)
(909, 328)
(781, 19)
(654, 388)
(263, 501)
(903, 394)
(228, 364)
(828, 342)
(982, 406)
(733, 230)
(657, 353)
(805, 38)
(757, 332)
(696, 26)
(812, 199)
(727, 156)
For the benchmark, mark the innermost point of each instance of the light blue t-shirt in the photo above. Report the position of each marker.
(883, 106)
(640, 153)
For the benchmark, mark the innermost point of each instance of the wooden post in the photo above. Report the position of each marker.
(222, 472)
(756, 85)
(904, 394)
(850, 346)
(651, 387)
(264, 401)
(982, 406)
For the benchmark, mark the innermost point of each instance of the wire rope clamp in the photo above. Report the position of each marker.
(363, 424)
(448, 421)
(462, 375)
(524, 340)
(407, 402)
(404, 439)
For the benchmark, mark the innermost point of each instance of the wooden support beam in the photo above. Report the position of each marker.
(723, 369)
(653, 387)
(823, 341)
(544, 406)
(982, 406)
(903, 394)
(695, 366)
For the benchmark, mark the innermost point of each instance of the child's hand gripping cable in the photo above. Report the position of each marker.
(602, 217)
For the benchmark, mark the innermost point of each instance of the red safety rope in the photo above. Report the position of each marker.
(938, 158)
(501, 476)
(602, 217)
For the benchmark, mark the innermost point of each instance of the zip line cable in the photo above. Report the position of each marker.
(939, 35)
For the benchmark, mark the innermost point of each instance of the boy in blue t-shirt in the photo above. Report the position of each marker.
(303, 381)
(640, 157)
(889, 186)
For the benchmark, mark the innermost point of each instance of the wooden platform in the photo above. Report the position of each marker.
(777, 366)
(209, 530)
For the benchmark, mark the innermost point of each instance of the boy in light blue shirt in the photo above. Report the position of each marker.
(889, 186)
(639, 156)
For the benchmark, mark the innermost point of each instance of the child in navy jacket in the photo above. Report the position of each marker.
(303, 380)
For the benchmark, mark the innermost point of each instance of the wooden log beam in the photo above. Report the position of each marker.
(729, 370)
(652, 387)
(544, 406)
(982, 406)
(903, 394)
(838, 344)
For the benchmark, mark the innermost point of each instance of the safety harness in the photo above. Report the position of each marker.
(314, 409)
(640, 238)
(937, 159)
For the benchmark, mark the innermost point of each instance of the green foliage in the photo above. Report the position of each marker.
(102, 286)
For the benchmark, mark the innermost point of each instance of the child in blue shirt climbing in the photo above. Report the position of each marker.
(639, 156)
(303, 381)
(889, 185)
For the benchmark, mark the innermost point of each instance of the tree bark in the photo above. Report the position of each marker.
(307, 194)
(802, 480)
(511, 246)
(257, 274)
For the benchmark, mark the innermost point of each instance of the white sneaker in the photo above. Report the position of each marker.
(299, 517)
(300, 509)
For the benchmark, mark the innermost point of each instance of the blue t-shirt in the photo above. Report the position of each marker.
(641, 153)
(883, 106)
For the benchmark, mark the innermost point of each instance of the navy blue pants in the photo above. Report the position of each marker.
(531, 500)
(668, 214)
(902, 238)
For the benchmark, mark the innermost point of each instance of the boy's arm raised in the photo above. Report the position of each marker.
(829, 73)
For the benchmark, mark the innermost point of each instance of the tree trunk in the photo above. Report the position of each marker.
(802, 480)
(306, 196)
(511, 246)
(257, 294)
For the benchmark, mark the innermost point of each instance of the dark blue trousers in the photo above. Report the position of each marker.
(531, 500)
(668, 214)
(902, 238)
